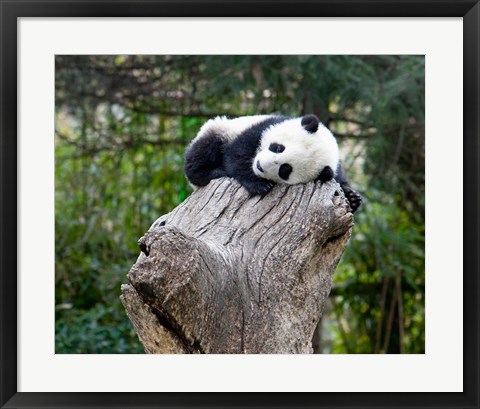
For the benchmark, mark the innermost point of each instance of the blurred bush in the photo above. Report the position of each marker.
(122, 124)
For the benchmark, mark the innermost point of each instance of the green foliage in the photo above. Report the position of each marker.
(122, 124)
(101, 329)
(104, 203)
(387, 245)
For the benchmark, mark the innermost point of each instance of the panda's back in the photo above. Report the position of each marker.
(228, 128)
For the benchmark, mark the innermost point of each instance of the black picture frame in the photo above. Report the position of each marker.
(11, 10)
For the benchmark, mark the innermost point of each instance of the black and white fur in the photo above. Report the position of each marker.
(259, 151)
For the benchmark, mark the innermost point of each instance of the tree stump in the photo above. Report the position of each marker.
(228, 273)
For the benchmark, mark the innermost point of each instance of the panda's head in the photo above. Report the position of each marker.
(295, 151)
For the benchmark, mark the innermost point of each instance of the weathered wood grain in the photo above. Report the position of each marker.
(226, 273)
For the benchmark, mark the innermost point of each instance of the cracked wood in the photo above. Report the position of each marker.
(228, 273)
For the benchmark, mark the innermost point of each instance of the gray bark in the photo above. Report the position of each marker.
(226, 273)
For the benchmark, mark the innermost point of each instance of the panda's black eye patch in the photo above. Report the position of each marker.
(284, 171)
(276, 148)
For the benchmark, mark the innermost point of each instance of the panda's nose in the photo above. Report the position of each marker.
(259, 167)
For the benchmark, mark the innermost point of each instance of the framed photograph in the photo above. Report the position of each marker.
(123, 87)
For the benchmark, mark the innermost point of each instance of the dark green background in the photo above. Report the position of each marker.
(121, 127)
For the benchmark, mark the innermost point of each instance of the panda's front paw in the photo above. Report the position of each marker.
(354, 199)
(260, 187)
(326, 174)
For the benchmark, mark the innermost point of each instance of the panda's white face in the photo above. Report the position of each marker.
(294, 153)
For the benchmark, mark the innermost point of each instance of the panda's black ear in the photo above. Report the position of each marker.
(310, 123)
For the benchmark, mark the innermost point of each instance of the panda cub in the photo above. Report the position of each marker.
(259, 151)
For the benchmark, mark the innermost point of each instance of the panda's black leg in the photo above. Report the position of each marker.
(354, 198)
(256, 186)
(217, 173)
(204, 160)
(326, 174)
(238, 161)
